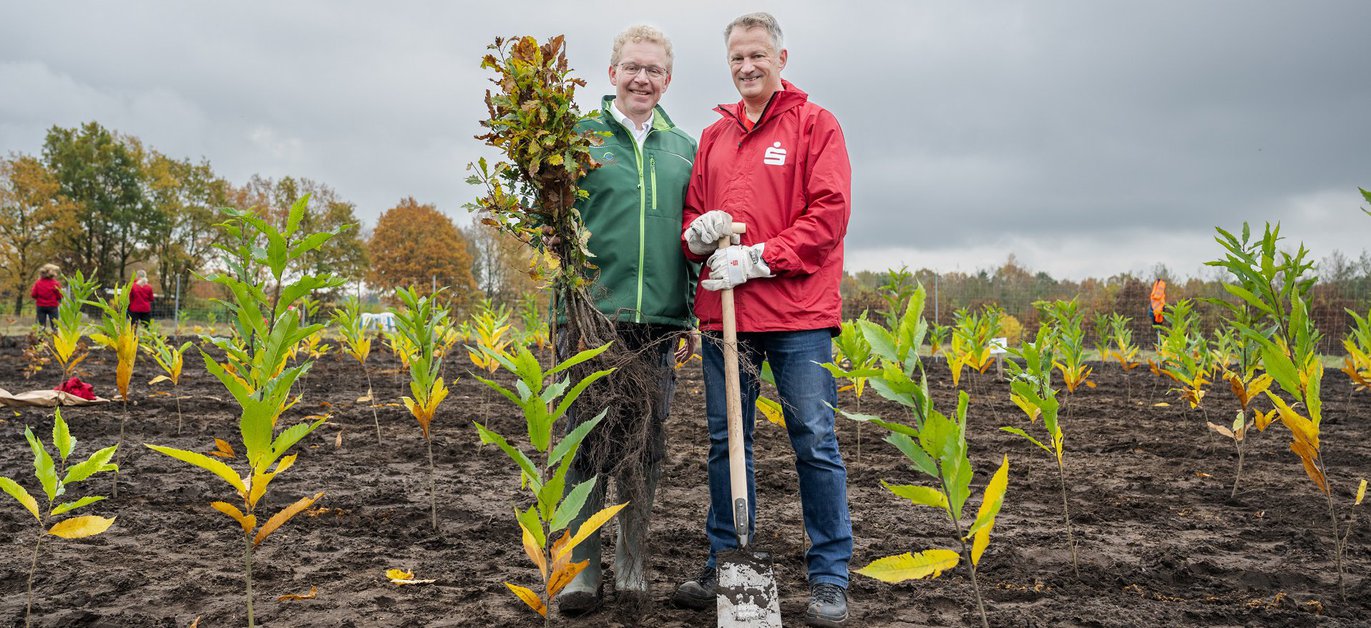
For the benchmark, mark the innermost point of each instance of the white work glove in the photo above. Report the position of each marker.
(735, 265)
(703, 234)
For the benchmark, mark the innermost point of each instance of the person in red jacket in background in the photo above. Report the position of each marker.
(777, 163)
(140, 300)
(47, 295)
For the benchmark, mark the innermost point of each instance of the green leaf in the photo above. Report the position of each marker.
(70, 506)
(530, 471)
(529, 519)
(573, 438)
(61, 436)
(918, 495)
(20, 494)
(207, 463)
(1245, 295)
(1015, 430)
(287, 439)
(571, 505)
(918, 458)
(957, 473)
(43, 467)
(98, 462)
(578, 358)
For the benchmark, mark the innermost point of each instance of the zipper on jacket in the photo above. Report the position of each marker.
(652, 167)
(642, 226)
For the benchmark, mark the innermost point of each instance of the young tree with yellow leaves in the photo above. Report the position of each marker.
(418, 322)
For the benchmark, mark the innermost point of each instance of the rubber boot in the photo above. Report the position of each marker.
(631, 545)
(584, 595)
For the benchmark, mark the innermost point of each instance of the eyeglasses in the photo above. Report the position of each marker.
(654, 72)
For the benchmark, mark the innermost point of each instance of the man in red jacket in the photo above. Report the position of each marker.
(140, 300)
(777, 163)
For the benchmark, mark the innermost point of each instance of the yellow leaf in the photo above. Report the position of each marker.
(1309, 457)
(286, 513)
(400, 577)
(1263, 419)
(591, 526)
(81, 527)
(158, 379)
(534, 551)
(771, 410)
(1361, 493)
(990, 506)
(1161, 404)
(294, 597)
(907, 566)
(564, 576)
(20, 493)
(1303, 429)
(530, 598)
(222, 449)
(247, 521)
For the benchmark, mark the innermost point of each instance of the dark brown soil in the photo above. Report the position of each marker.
(1161, 543)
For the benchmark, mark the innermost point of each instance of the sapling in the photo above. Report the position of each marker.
(1357, 363)
(55, 477)
(66, 343)
(536, 329)
(855, 363)
(417, 322)
(117, 331)
(254, 369)
(1183, 354)
(1068, 342)
(937, 337)
(170, 358)
(935, 446)
(1031, 390)
(544, 400)
(1245, 381)
(490, 326)
(972, 334)
(356, 343)
(1275, 283)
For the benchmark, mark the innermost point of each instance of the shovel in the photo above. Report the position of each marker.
(746, 589)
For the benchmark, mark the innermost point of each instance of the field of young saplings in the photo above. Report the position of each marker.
(1160, 539)
(297, 469)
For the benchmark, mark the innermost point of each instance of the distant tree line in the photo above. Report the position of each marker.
(104, 203)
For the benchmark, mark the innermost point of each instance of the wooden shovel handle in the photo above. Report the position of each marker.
(737, 456)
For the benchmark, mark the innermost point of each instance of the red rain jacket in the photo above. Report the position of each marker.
(788, 179)
(140, 298)
(46, 292)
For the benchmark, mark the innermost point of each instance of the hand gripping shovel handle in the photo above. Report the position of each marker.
(737, 460)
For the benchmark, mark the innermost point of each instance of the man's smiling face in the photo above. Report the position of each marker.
(637, 90)
(755, 63)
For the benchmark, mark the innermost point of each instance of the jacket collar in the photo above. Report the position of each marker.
(782, 101)
(660, 121)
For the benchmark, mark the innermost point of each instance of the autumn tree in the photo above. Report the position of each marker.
(414, 245)
(101, 173)
(186, 196)
(32, 216)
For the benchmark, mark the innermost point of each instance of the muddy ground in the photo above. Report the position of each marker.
(1160, 541)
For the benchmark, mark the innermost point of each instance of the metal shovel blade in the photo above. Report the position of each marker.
(747, 590)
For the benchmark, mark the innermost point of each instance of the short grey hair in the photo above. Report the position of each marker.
(637, 33)
(760, 19)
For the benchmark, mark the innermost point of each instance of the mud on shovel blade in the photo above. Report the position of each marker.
(746, 589)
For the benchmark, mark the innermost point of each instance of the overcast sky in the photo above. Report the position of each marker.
(1086, 137)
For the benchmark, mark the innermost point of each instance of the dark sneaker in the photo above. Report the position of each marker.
(827, 605)
(697, 594)
(578, 603)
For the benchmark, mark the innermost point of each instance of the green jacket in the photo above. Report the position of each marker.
(634, 217)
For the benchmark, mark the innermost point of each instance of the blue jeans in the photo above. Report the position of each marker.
(807, 392)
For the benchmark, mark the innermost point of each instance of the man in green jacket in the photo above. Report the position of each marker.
(645, 284)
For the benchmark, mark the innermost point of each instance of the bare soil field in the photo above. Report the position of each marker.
(1160, 541)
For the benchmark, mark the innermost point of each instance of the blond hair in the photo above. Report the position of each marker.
(640, 33)
(760, 19)
(48, 271)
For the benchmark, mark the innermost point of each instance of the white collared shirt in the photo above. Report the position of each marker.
(638, 135)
